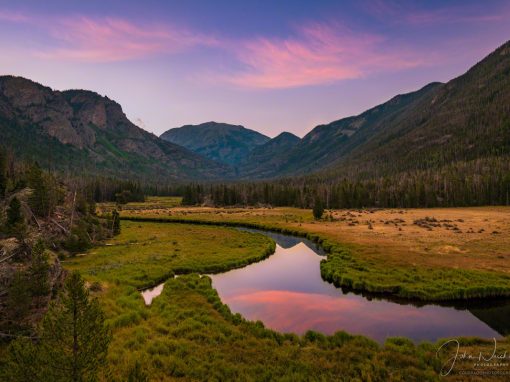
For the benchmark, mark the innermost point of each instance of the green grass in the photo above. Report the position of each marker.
(188, 333)
(345, 268)
(424, 283)
(146, 253)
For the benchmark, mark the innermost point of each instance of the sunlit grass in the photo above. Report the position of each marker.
(386, 259)
(188, 333)
(151, 202)
(146, 253)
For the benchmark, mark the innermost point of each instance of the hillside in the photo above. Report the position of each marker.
(81, 131)
(326, 144)
(465, 119)
(262, 160)
(228, 144)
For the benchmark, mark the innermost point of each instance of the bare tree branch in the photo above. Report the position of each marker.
(60, 226)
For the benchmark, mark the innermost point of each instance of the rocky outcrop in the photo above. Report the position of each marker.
(92, 131)
(35, 104)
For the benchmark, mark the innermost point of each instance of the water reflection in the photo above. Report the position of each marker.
(287, 293)
(151, 293)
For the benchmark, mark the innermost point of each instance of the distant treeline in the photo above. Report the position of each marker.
(101, 189)
(484, 181)
(105, 189)
(478, 182)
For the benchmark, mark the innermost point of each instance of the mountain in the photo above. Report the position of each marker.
(462, 120)
(326, 144)
(228, 144)
(81, 131)
(466, 119)
(263, 159)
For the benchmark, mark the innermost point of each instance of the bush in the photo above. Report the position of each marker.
(78, 240)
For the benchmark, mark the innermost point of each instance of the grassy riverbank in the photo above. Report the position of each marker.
(436, 254)
(187, 332)
(146, 253)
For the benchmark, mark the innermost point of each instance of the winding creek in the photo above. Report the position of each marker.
(286, 292)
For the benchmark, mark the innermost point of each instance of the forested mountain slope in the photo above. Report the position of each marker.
(82, 132)
(326, 144)
(263, 160)
(445, 145)
(463, 123)
(465, 119)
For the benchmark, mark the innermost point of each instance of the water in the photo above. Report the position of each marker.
(286, 292)
(151, 293)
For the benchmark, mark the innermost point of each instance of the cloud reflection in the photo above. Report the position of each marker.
(287, 293)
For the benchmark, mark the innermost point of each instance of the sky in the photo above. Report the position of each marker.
(271, 66)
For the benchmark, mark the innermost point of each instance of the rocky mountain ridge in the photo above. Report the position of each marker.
(90, 132)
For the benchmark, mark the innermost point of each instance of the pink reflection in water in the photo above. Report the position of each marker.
(150, 294)
(287, 293)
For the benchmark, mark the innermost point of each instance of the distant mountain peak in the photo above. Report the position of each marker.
(264, 159)
(218, 141)
(287, 135)
(216, 124)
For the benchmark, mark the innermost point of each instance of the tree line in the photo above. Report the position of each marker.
(464, 183)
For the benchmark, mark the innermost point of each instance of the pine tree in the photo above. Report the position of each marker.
(38, 270)
(18, 297)
(187, 198)
(318, 209)
(23, 362)
(115, 222)
(3, 173)
(44, 191)
(15, 223)
(73, 341)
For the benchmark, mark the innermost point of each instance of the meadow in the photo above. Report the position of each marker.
(189, 334)
(427, 254)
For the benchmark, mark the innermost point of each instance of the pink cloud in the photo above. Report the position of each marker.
(319, 54)
(316, 54)
(107, 39)
(112, 39)
(13, 16)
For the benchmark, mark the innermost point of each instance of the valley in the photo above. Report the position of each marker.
(433, 252)
(249, 191)
(187, 325)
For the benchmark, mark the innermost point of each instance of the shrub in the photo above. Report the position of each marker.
(78, 240)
